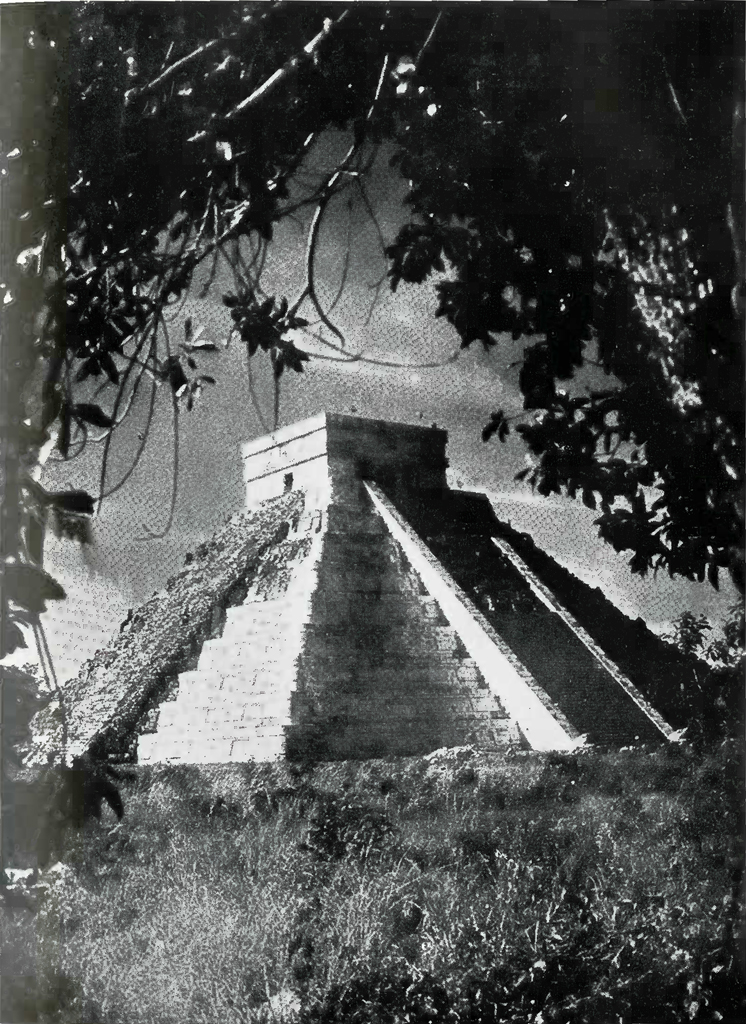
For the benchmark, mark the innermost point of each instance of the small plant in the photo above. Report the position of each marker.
(382, 998)
(337, 828)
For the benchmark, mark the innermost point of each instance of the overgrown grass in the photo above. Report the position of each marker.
(459, 887)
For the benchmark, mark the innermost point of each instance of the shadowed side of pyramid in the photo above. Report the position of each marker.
(573, 669)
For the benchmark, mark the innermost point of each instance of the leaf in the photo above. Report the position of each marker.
(589, 498)
(536, 379)
(522, 474)
(201, 346)
(79, 502)
(109, 367)
(71, 525)
(712, 575)
(14, 639)
(497, 419)
(638, 563)
(90, 368)
(174, 373)
(207, 378)
(294, 358)
(51, 402)
(191, 363)
(63, 439)
(92, 414)
(30, 587)
(192, 342)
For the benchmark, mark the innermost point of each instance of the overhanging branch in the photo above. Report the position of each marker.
(287, 68)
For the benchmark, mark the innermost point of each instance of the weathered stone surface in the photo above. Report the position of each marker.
(116, 687)
(235, 704)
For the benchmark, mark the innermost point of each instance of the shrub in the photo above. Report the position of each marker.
(381, 998)
(338, 827)
(53, 998)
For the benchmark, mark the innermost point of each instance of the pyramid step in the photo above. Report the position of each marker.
(369, 708)
(385, 609)
(152, 749)
(278, 638)
(346, 655)
(354, 521)
(231, 714)
(212, 681)
(263, 611)
(358, 663)
(417, 639)
(245, 672)
(423, 679)
(259, 744)
(384, 580)
(260, 750)
(243, 665)
(173, 742)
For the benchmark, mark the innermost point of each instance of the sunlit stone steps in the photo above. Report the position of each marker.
(235, 705)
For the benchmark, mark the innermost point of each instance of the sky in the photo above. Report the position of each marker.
(123, 566)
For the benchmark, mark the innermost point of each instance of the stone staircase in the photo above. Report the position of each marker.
(234, 706)
(459, 528)
(337, 651)
(381, 671)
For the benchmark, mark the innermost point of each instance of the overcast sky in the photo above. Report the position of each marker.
(122, 568)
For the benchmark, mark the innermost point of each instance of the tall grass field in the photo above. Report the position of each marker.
(458, 887)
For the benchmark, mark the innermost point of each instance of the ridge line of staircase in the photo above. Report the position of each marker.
(541, 721)
(551, 602)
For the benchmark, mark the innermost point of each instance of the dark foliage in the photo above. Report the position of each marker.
(337, 828)
(575, 173)
(381, 998)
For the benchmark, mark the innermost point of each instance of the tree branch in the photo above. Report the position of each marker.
(309, 290)
(109, 434)
(47, 666)
(346, 264)
(151, 535)
(252, 392)
(427, 42)
(172, 69)
(287, 68)
(675, 99)
(141, 447)
(353, 357)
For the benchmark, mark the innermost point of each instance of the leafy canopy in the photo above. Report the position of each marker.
(573, 181)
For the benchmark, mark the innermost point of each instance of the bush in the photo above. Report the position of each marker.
(379, 998)
(338, 827)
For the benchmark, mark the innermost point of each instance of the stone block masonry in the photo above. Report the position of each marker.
(357, 609)
(337, 651)
(235, 705)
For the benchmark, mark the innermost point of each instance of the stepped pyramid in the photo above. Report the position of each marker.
(357, 608)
